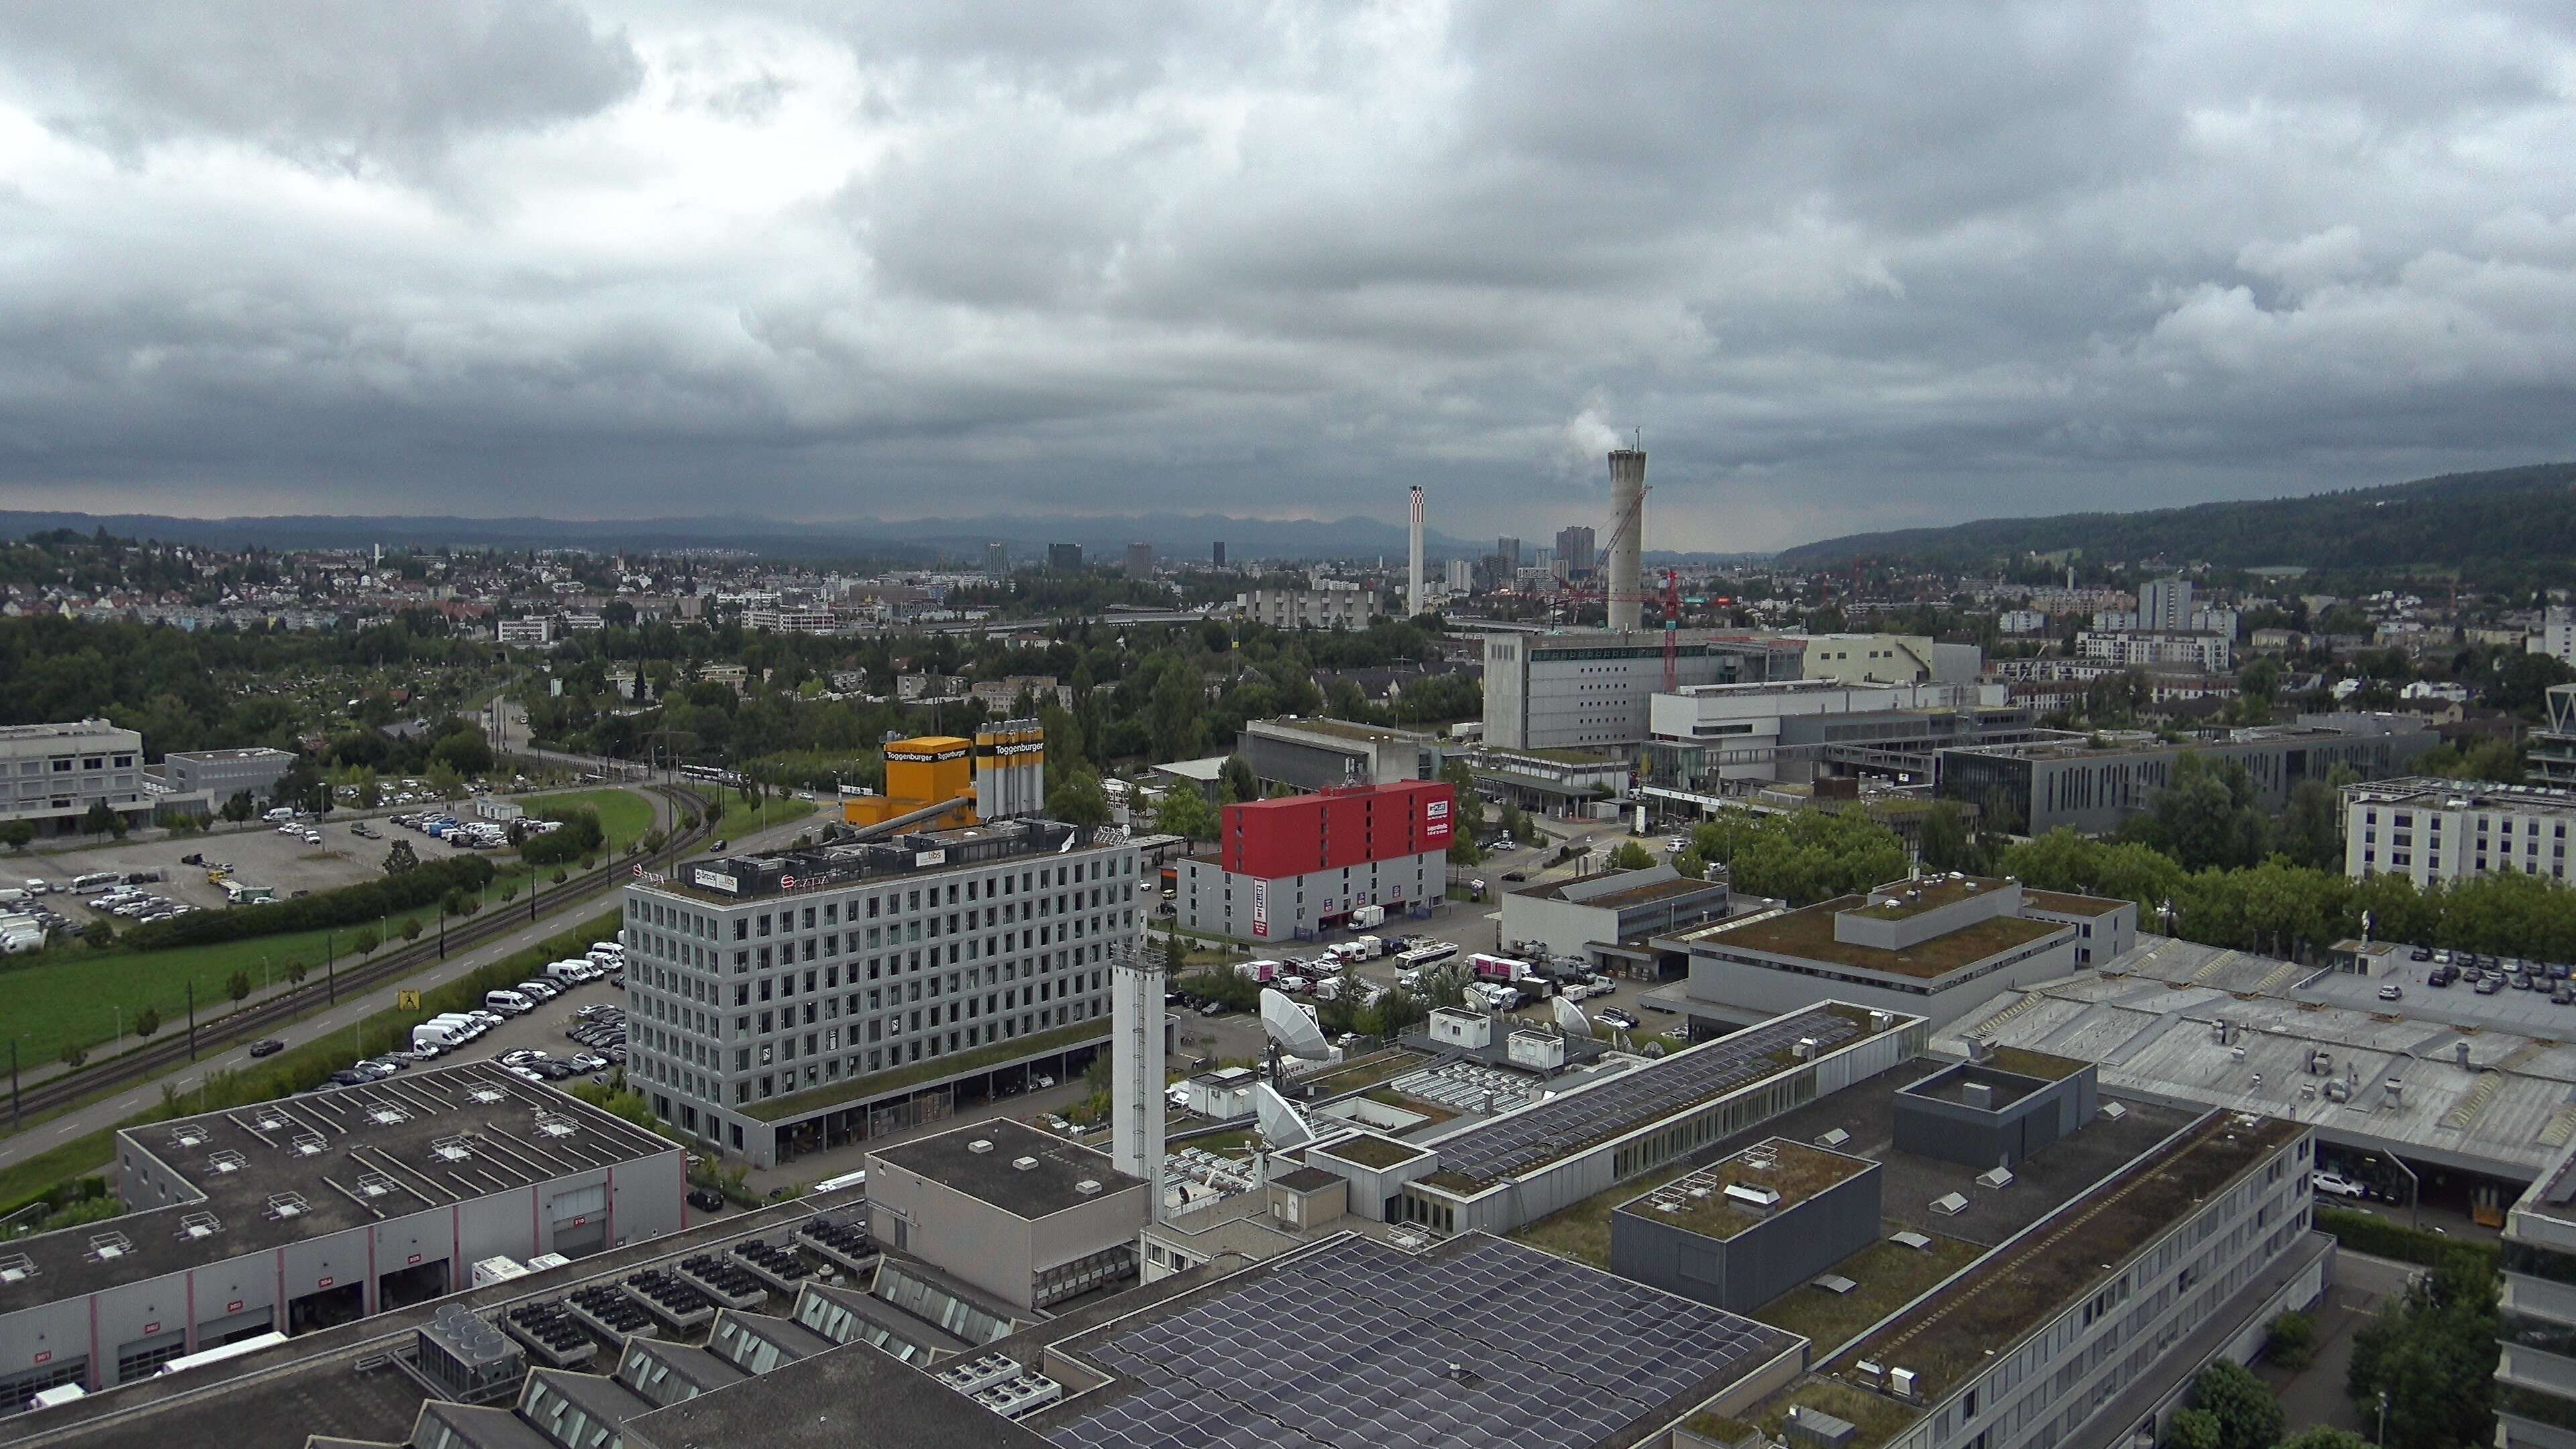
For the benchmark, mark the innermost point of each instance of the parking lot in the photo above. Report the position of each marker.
(542, 1029)
(258, 855)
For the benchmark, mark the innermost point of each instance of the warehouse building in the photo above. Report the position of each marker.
(56, 772)
(1607, 916)
(1939, 947)
(221, 774)
(1324, 754)
(787, 1002)
(2080, 785)
(1285, 869)
(1589, 688)
(292, 1216)
(1723, 739)
(2430, 830)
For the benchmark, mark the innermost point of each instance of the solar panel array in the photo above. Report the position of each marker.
(1509, 1145)
(1355, 1346)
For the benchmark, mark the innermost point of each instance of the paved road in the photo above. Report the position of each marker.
(350, 1010)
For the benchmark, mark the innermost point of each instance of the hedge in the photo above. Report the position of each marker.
(424, 884)
(2370, 1233)
(581, 835)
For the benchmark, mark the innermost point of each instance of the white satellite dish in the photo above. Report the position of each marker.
(1281, 1127)
(1290, 1026)
(1571, 1019)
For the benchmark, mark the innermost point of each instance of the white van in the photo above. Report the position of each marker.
(12, 896)
(429, 1037)
(571, 973)
(282, 812)
(458, 1025)
(508, 1003)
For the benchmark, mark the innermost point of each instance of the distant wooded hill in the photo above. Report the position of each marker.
(2509, 519)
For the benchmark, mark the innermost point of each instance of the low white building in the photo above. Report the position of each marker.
(2207, 652)
(1330, 604)
(2429, 829)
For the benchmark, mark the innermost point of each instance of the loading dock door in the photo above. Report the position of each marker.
(325, 1308)
(418, 1283)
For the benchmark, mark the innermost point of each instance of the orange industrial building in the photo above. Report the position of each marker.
(938, 782)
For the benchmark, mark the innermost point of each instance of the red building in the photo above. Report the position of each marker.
(1292, 866)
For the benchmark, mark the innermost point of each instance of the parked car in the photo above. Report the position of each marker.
(2335, 1184)
(706, 1199)
(2489, 985)
(268, 1046)
(1616, 1017)
(2392, 992)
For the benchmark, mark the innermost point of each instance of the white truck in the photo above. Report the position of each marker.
(1370, 947)
(1365, 917)
(21, 935)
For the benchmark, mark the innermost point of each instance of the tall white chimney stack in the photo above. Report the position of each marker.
(1628, 526)
(1413, 600)
(1136, 1099)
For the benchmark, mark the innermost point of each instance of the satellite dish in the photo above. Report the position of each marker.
(1571, 1019)
(1290, 1026)
(1281, 1127)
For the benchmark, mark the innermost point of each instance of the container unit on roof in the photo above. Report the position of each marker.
(293, 1215)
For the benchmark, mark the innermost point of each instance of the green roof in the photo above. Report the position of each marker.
(1808, 935)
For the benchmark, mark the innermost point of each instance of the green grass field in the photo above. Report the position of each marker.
(623, 814)
(74, 996)
(740, 820)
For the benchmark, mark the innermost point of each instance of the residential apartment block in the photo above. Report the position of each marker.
(2431, 830)
(56, 772)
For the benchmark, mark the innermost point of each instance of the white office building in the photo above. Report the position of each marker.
(1586, 688)
(56, 772)
(2431, 830)
(2208, 653)
(787, 1002)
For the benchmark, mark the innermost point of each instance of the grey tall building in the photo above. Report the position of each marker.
(1509, 551)
(1140, 560)
(1574, 550)
(786, 1002)
(997, 559)
(1218, 556)
(1594, 687)
(222, 774)
(52, 774)
(1064, 558)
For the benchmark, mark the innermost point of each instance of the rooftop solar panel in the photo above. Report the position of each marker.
(1364, 1345)
(1505, 1146)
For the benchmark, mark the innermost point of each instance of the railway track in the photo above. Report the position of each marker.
(252, 1020)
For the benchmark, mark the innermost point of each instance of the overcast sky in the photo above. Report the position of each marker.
(1846, 266)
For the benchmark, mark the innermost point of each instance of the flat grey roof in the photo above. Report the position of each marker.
(1049, 1183)
(288, 1171)
(850, 1398)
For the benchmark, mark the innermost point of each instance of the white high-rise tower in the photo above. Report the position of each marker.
(1136, 1065)
(1627, 529)
(1413, 601)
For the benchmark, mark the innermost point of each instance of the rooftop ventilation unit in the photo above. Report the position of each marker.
(1900, 1382)
(16, 1268)
(1910, 1239)
(200, 1225)
(1746, 1195)
(1836, 1284)
(386, 1114)
(1087, 1188)
(269, 1121)
(226, 1161)
(1024, 1164)
(1950, 1204)
(1835, 1138)
(1805, 1050)
(980, 1146)
(287, 1205)
(452, 1149)
(1999, 1176)
(108, 1247)
(374, 1184)
(982, 1373)
(2113, 1111)
(486, 1096)
(555, 1124)
(1882, 1021)
(190, 1135)
(1867, 1371)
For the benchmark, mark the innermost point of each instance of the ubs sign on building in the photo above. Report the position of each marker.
(1287, 868)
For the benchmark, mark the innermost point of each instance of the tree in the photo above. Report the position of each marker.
(2311, 831)
(715, 809)
(411, 928)
(2248, 1417)
(1801, 858)
(2433, 1356)
(99, 934)
(2325, 1436)
(2205, 816)
(18, 834)
(295, 971)
(2192, 1429)
(2291, 1340)
(1239, 782)
(239, 807)
(147, 1021)
(1944, 842)
(367, 940)
(401, 860)
(1076, 798)
(1186, 813)
(74, 1057)
(237, 986)
(509, 891)
(99, 819)
(1631, 856)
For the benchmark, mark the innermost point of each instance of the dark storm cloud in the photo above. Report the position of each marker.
(1847, 266)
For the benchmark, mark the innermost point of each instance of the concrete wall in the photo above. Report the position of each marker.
(1758, 1264)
